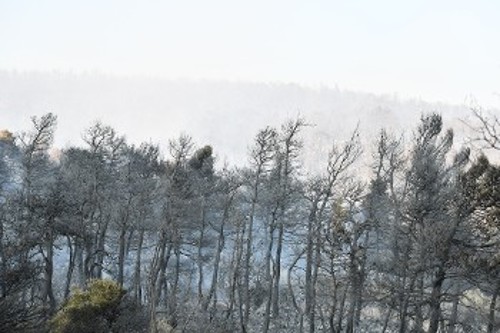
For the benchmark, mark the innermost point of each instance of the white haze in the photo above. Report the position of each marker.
(223, 114)
(435, 50)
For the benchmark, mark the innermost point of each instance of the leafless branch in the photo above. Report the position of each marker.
(486, 130)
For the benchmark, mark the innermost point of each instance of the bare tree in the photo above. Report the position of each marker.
(261, 156)
(486, 131)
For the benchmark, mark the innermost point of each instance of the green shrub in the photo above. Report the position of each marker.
(94, 310)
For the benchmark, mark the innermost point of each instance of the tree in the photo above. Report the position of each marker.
(26, 174)
(38, 199)
(135, 200)
(177, 193)
(281, 191)
(321, 194)
(487, 130)
(428, 222)
(261, 155)
(480, 191)
(262, 248)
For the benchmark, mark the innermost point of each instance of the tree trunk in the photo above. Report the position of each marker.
(292, 294)
(137, 270)
(200, 254)
(277, 270)
(249, 250)
(236, 266)
(82, 262)
(316, 266)
(152, 288)
(405, 293)
(269, 277)
(419, 316)
(341, 310)
(309, 265)
(354, 277)
(386, 321)
(333, 308)
(172, 297)
(493, 305)
(101, 250)
(435, 301)
(48, 272)
(212, 294)
(454, 314)
(3, 262)
(71, 268)
(121, 254)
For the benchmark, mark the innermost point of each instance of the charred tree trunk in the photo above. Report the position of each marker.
(71, 267)
(137, 269)
(435, 302)
(492, 310)
(48, 272)
(121, 253)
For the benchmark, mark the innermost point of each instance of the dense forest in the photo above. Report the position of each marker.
(115, 237)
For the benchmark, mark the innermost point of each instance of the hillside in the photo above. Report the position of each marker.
(224, 114)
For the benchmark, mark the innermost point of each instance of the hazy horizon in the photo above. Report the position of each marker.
(221, 70)
(439, 52)
(223, 114)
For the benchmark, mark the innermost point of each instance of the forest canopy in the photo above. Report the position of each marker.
(112, 236)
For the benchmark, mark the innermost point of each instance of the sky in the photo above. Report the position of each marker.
(434, 50)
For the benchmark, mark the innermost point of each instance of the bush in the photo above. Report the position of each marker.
(92, 311)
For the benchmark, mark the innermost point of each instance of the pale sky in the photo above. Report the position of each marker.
(435, 50)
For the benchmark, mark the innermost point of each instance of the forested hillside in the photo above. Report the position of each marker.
(186, 245)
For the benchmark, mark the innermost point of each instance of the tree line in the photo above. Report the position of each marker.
(412, 247)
